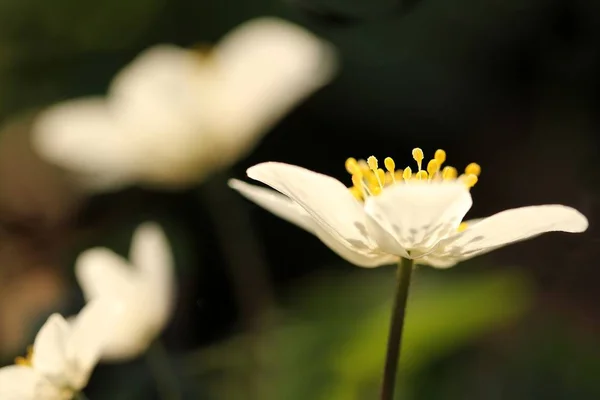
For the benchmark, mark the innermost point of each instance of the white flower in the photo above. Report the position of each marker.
(174, 115)
(393, 214)
(143, 290)
(62, 358)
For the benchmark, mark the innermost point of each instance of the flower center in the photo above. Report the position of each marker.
(26, 361)
(370, 180)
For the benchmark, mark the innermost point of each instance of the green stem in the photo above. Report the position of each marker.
(81, 396)
(405, 267)
(158, 361)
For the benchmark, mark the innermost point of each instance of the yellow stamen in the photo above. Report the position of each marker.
(417, 154)
(449, 173)
(473, 169)
(440, 156)
(389, 179)
(372, 163)
(27, 360)
(470, 180)
(462, 226)
(369, 179)
(390, 165)
(422, 175)
(433, 167)
(398, 175)
(352, 166)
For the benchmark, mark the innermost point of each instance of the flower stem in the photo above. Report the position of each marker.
(158, 361)
(405, 267)
(81, 396)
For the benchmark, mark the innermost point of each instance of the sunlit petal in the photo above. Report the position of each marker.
(416, 215)
(288, 210)
(512, 226)
(326, 199)
(276, 203)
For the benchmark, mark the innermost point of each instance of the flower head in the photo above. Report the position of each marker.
(391, 213)
(175, 115)
(142, 290)
(61, 360)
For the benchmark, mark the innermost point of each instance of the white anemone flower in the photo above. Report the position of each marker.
(393, 214)
(175, 115)
(143, 290)
(61, 360)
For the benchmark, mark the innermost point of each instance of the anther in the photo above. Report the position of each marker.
(417, 154)
(372, 162)
(470, 180)
(473, 169)
(422, 175)
(352, 166)
(407, 174)
(390, 165)
(356, 192)
(462, 226)
(433, 167)
(449, 173)
(440, 156)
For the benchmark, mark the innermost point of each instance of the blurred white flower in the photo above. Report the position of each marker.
(175, 115)
(398, 213)
(62, 358)
(143, 290)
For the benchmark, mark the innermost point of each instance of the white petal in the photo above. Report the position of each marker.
(164, 99)
(287, 209)
(24, 383)
(101, 272)
(90, 330)
(416, 216)
(82, 136)
(157, 99)
(511, 226)
(276, 203)
(265, 67)
(325, 199)
(49, 348)
(151, 255)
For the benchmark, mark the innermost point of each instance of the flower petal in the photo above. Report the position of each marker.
(511, 226)
(324, 198)
(264, 68)
(23, 383)
(101, 272)
(90, 330)
(151, 255)
(416, 216)
(49, 348)
(276, 203)
(82, 136)
(288, 210)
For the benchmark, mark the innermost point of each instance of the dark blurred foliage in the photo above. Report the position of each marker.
(510, 84)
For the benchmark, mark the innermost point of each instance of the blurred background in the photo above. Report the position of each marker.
(265, 310)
